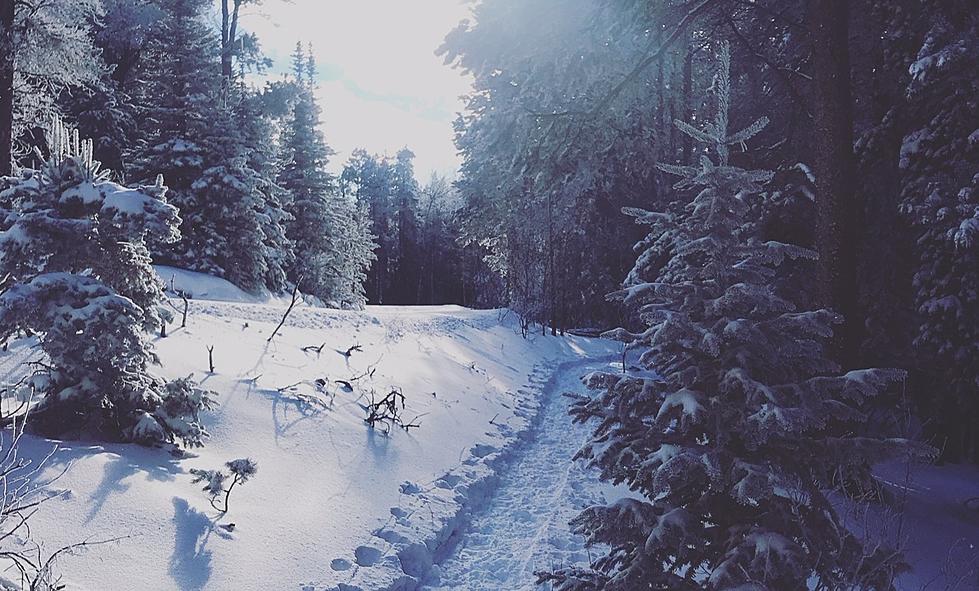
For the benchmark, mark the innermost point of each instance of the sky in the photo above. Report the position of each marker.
(381, 86)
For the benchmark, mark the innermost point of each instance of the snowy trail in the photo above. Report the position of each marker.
(524, 526)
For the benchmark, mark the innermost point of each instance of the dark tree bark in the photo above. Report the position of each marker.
(838, 209)
(6, 85)
(229, 35)
(687, 112)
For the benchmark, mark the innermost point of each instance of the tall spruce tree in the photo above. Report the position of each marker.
(405, 195)
(369, 179)
(73, 249)
(45, 48)
(332, 248)
(258, 123)
(939, 160)
(736, 424)
(190, 132)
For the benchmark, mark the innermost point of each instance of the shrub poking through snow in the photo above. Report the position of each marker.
(73, 251)
(732, 439)
(388, 411)
(239, 472)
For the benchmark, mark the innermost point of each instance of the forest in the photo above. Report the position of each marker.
(750, 227)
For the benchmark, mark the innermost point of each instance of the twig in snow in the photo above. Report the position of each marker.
(351, 351)
(292, 304)
(387, 411)
(241, 469)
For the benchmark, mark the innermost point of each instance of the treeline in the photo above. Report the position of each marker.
(161, 92)
(419, 259)
(873, 142)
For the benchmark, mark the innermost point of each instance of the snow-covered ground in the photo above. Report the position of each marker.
(524, 528)
(335, 504)
(477, 498)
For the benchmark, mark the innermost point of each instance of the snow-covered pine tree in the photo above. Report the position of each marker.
(104, 114)
(940, 168)
(190, 134)
(45, 48)
(359, 249)
(258, 129)
(332, 251)
(370, 180)
(73, 251)
(736, 424)
(230, 209)
(180, 86)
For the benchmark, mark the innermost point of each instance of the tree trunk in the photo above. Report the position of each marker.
(838, 212)
(229, 34)
(6, 86)
(687, 113)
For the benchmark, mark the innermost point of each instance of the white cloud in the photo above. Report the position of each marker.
(383, 86)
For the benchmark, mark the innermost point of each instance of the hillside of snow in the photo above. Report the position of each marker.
(335, 504)
(477, 497)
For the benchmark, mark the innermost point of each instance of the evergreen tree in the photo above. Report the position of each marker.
(45, 47)
(405, 195)
(190, 133)
(181, 86)
(74, 252)
(257, 120)
(106, 115)
(370, 179)
(939, 161)
(332, 250)
(736, 424)
(547, 160)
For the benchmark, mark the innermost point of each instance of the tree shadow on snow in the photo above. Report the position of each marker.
(152, 464)
(121, 463)
(295, 405)
(190, 563)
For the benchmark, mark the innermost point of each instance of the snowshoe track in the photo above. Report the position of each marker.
(524, 527)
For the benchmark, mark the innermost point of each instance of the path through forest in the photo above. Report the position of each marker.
(524, 527)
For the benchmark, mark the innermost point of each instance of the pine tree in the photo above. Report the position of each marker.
(299, 63)
(44, 47)
(938, 161)
(231, 219)
(405, 194)
(332, 251)
(181, 85)
(259, 131)
(736, 424)
(74, 252)
(104, 114)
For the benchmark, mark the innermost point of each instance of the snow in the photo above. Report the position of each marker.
(933, 522)
(334, 505)
(200, 286)
(85, 193)
(478, 497)
(524, 527)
